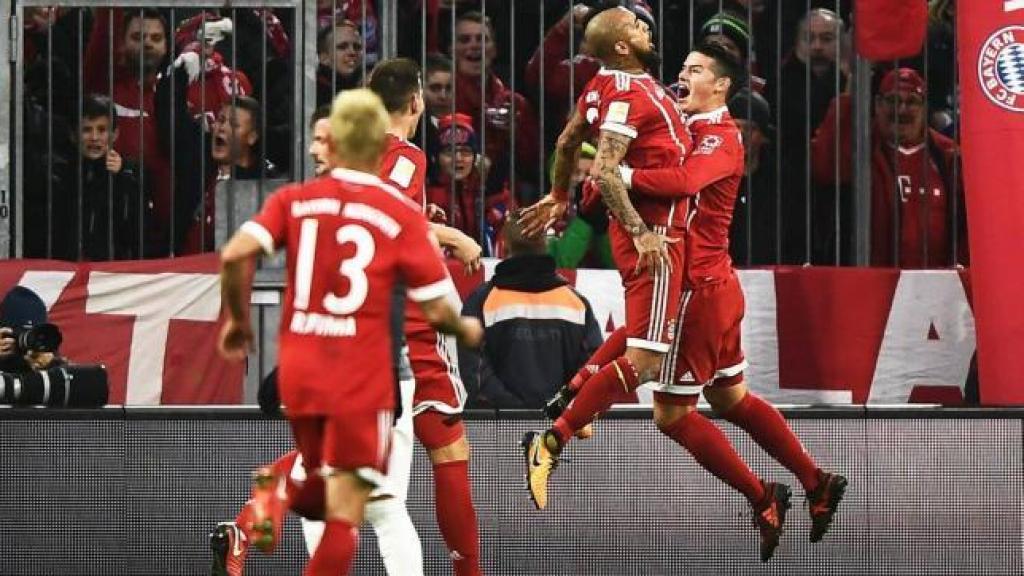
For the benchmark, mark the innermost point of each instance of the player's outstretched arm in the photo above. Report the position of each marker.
(441, 316)
(464, 248)
(542, 215)
(236, 336)
(702, 168)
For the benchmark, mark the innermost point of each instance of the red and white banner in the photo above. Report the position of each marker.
(153, 323)
(990, 40)
(812, 335)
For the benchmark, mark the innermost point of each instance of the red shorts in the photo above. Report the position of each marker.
(356, 442)
(652, 300)
(707, 347)
(435, 367)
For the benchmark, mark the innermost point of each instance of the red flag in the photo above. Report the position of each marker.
(887, 30)
(991, 59)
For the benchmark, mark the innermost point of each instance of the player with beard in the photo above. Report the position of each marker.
(706, 355)
(637, 124)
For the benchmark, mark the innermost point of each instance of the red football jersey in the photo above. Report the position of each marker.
(712, 175)
(349, 239)
(924, 218)
(637, 106)
(404, 166)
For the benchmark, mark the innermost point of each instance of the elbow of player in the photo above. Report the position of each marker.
(437, 312)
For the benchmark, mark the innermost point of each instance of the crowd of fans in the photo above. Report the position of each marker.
(133, 117)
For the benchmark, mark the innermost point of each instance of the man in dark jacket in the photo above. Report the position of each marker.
(538, 330)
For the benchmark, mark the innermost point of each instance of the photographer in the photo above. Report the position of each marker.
(27, 341)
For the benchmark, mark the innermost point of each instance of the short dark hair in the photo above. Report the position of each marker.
(517, 243)
(146, 14)
(98, 106)
(396, 81)
(321, 113)
(726, 65)
(479, 18)
(252, 106)
(436, 63)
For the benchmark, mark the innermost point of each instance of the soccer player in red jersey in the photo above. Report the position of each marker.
(349, 239)
(706, 355)
(637, 124)
(439, 394)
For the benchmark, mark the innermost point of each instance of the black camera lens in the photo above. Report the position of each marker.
(39, 338)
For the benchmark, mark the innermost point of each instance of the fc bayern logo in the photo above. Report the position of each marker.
(1001, 68)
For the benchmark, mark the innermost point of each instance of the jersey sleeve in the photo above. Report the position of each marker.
(406, 170)
(717, 154)
(623, 110)
(426, 277)
(269, 227)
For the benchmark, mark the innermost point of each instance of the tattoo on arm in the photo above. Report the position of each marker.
(611, 149)
(567, 151)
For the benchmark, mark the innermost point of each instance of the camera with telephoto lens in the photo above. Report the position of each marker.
(44, 337)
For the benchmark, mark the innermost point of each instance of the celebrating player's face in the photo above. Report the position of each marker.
(697, 83)
(319, 149)
(639, 38)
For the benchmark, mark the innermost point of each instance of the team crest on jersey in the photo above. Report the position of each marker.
(1001, 68)
(708, 144)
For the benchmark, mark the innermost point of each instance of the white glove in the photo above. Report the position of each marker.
(216, 30)
(191, 62)
(627, 176)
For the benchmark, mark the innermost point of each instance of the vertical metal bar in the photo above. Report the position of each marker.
(485, 71)
(111, 112)
(78, 155)
(569, 56)
(661, 42)
(332, 55)
(897, 225)
(512, 104)
(749, 236)
(838, 212)
(203, 184)
(8, 54)
(49, 143)
(173, 158)
(926, 203)
(862, 146)
(305, 91)
(230, 208)
(955, 200)
(263, 118)
(543, 105)
(452, 198)
(808, 238)
(777, 148)
(364, 38)
(142, 105)
(425, 117)
(692, 29)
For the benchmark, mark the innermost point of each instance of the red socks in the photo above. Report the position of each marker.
(336, 551)
(611, 349)
(456, 517)
(615, 379)
(769, 429)
(712, 450)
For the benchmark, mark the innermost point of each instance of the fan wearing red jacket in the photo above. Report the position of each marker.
(706, 355)
(349, 238)
(638, 124)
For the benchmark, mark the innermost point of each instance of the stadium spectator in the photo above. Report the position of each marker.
(752, 238)
(584, 241)
(437, 95)
(231, 150)
(97, 179)
(211, 82)
(140, 42)
(557, 62)
(813, 70)
(340, 53)
(538, 331)
(458, 189)
(909, 162)
(733, 32)
(481, 95)
(368, 27)
(941, 63)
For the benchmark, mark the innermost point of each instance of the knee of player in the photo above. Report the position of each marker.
(667, 415)
(725, 394)
(646, 362)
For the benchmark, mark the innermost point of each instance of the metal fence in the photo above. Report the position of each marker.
(136, 491)
(856, 187)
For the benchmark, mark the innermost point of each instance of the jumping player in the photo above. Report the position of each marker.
(706, 355)
(349, 239)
